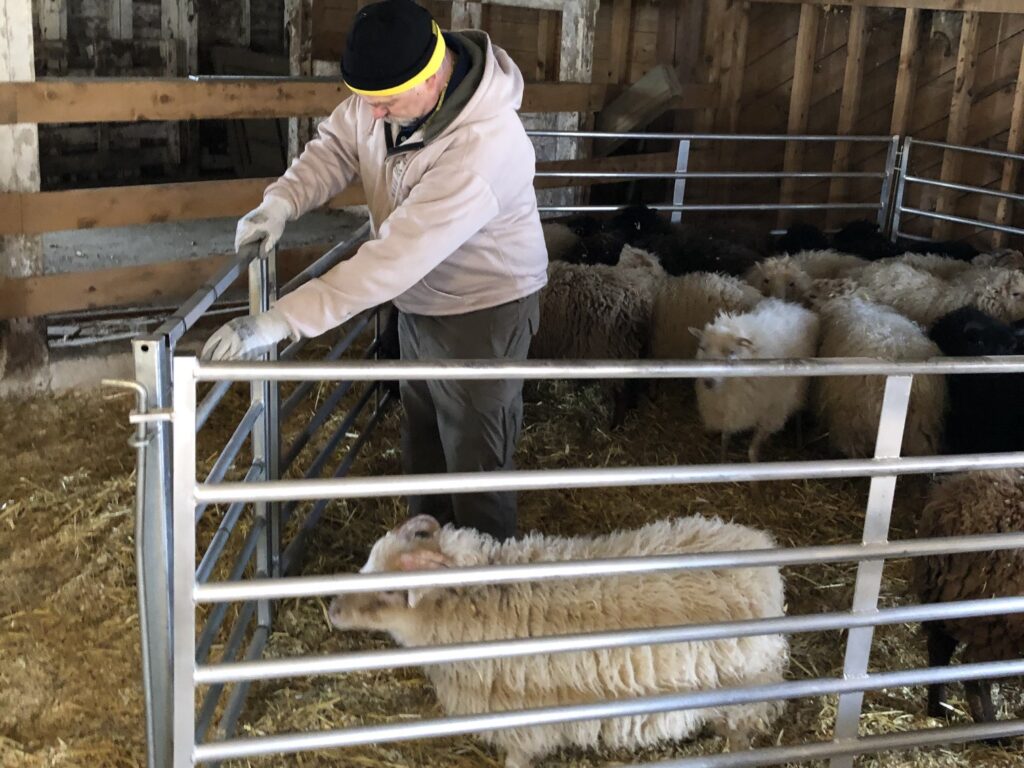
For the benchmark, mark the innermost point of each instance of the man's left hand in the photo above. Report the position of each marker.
(245, 338)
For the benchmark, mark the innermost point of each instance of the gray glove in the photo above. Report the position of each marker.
(264, 223)
(245, 338)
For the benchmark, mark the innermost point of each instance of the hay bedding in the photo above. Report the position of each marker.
(69, 684)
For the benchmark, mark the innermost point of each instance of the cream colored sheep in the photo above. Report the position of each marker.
(942, 267)
(559, 239)
(850, 406)
(997, 291)
(791, 277)
(773, 329)
(693, 301)
(438, 616)
(914, 293)
(1004, 257)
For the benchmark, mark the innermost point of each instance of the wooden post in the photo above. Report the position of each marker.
(959, 114)
(1011, 168)
(849, 108)
(466, 14)
(906, 78)
(622, 17)
(119, 19)
(298, 29)
(22, 341)
(733, 66)
(799, 101)
(547, 45)
(53, 19)
(576, 63)
(181, 57)
(714, 54)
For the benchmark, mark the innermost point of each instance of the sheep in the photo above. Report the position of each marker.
(791, 277)
(699, 249)
(942, 267)
(635, 223)
(862, 238)
(559, 239)
(919, 295)
(597, 248)
(850, 406)
(773, 329)
(800, 236)
(953, 249)
(1004, 257)
(995, 290)
(595, 311)
(432, 616)
(693, 301)
(962, 505)
(985, 414)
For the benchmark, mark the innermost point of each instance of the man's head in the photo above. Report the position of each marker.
(396, 61)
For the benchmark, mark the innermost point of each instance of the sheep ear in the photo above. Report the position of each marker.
(743, 341)
(418, 530)
(697, 332)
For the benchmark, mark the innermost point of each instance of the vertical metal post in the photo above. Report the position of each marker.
(885, 208)
(153, 551)
(869, 573)
(184, 560)
(265, 434)
(901, 187)
(679, 189)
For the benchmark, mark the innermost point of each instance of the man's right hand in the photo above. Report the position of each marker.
(264, 223)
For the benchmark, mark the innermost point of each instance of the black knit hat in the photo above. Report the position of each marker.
(393, 46)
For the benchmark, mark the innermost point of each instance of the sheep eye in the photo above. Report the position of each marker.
(422, 535)
(792, 284)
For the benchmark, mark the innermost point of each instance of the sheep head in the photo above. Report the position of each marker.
(1003, 295)
(719, 342)
(413, 546)
(780, 277)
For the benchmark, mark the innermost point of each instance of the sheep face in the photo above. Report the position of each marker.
(969, 332)
(780, 277)
(717, 343)
(413, 546)
(1003, 295)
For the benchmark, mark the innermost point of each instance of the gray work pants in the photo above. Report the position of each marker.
(466, 426)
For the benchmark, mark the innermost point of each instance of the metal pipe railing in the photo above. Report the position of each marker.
(231, 647)
(329, 260)
(321, 586)
(989, 191)
(722, 207)
(464, 725)
(962, 220)
(224, 530)
(209, 402)
(969, 150)
(365, 661)
(754, 175)
(230, 451)
(649, 135)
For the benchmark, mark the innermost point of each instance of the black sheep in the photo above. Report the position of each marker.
(695, 248)
(800, 237)
(636, 223)
(953, 249)
(862, 238)
(986, 414)
(597, 248)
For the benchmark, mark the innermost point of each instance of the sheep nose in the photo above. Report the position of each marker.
(708, 384)
(334, 612)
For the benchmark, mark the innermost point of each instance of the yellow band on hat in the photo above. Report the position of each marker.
(424, 74)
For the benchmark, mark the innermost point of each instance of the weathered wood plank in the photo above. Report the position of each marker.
(959, 114)
(981, 6)
(853, 78)
(906, 79)
(621, 37)
(715, 23)
(800, 99)
(1011, 168)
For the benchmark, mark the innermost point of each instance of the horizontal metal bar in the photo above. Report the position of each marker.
(216, 617)
(502, 649)
(970, 150)
(601, 477)
(477, 370)
(210, 401)
(234, 643)
(720, 207)
(706, 175)
(469, 724)
(231, 448)
(709, 136)
(961, 220)
(320, 586)
(296, 547)
(963, 187)
(188, 313)
(225, 529)
(329, 260)
(339, 348)
(890, 742)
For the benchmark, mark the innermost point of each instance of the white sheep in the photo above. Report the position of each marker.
(559, 239)
(935, 264)
(850, 406)
(997, 291)
(693, 300)
(1003, 257)
(914, 293)
(440, 616)
(791, 277)
(773, 329)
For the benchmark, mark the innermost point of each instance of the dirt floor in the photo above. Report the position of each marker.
(69, 661)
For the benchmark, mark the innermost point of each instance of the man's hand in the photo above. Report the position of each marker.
(245, 338)
(264, 223)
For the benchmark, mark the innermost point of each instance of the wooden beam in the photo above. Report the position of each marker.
(22, 342)
(959, 114)
(466, 14)
(980, 6)
(799, 100)
(849, 108)
(906, 77)
(40, 212)
(53, 19)
(547, 44)
(714, 54)
(622, 36)
(105, 100)
(1011, 168)
(733, 67)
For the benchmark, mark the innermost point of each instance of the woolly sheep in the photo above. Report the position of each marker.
(791, 277)
(964, 505)
(995, 290)
(1004, 257)
(862, 238)
(693, 301)
(985, 410)
(800, 236)
(942, 267)
(439, 616)
(919, 295)
(954, 249)
(850, 406)
(773, 329)
(704, 248)
(559, 239)
(598, 312)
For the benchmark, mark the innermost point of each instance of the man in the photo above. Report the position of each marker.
(433, 134)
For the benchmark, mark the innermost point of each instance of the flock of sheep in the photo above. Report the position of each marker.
(634, 286)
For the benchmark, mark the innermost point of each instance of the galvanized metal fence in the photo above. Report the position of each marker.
(172, 501)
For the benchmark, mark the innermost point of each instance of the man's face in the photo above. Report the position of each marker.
(405, 108)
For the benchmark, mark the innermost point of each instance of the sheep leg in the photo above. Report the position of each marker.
(755, 445)
(941, 647)
(620, 404)
(800, 431)
(979, 700)
(723, 447)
